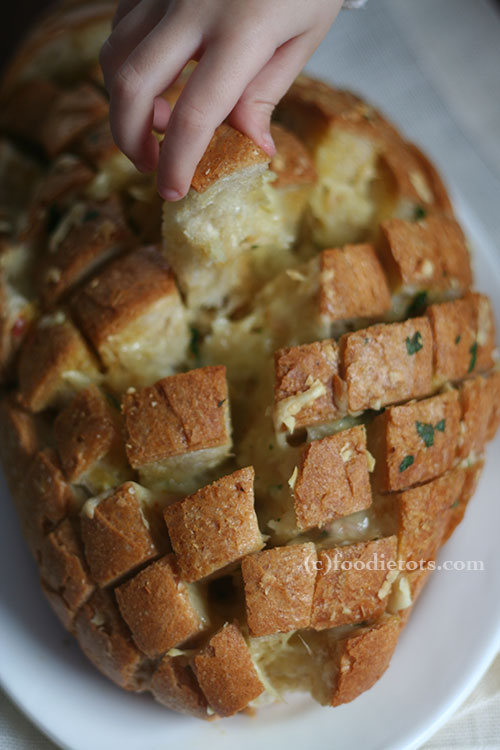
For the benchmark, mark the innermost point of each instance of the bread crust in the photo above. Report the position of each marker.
(178, 414)
(333, 479)
(226, 673)
(214, 527)
(155, 605)
(279, 588)
(175, 686)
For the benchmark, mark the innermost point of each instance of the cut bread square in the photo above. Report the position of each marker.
(279, 588)
(157, 607)
(415, 442)
(353, 583)
(214, 527)
(175, 686)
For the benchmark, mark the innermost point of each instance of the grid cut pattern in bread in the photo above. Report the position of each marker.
(126, 343)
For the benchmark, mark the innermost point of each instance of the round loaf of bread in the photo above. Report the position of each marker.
(237, 428)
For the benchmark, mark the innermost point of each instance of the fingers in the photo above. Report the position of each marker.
(153, 65)
(128, 32)
(215, 86)
(252, 113)
(124, 7)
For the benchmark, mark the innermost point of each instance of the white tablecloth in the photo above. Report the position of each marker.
(434, 67)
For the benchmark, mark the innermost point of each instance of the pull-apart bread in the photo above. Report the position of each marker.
(237, 428)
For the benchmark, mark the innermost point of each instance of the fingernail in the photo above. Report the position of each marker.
(268, 144)
(170, 195)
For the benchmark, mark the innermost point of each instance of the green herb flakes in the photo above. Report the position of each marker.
(417, 305)
(455, 504)
(414, 343)
(458, 339)
(440, 425)
(473, 356)
(426, 432)
(420, 213)
(406, 463)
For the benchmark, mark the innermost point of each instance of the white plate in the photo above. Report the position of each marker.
(452, 637)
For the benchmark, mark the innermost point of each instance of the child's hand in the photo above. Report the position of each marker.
(248, 52)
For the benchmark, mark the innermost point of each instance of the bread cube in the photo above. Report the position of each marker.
(464, 337)
(19, 442)
(424, 515)
(156, 606)
(333, 479)
(384, 364)
(226, 673)
(428, 254)
(25, 107)
(353, 583)
(134, 317)
(415, 442)
(478, 403)
(105, 640)
(352, 284)
(279, 588)
(471, 475)
(363, 658)
(71, 113)
(89, 234)
(180, 426)
(89, 441)
(409, 183)
(214, 527)
(116, 533)
(175, 686)
(304, 385)
(250, 218)
(64, 570)
(45, 498)
(54, 363)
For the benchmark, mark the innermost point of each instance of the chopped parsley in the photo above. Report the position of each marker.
(455, 504)
(367, 340)
(418, 305)
(426, 432)
(220, 403)
(194, 344)
(420, 213)
(253, 247)
(414, 344)
(473, 356)
(458, 339)
(406, 463)
(270, 446)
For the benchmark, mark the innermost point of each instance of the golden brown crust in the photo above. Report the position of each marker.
(423, 515)
(45, 498)
(429, 254)
(297, 369)
(229, 151)
(96, 145)
(155, 605)
(116, 535)
(332, 479)
(175, 686)
(87, 236)
(226, 673)
(279, 587)
(350, 583)
(105, 640)
(386, 363)
(51, 350)
(64, 571)
(471, 475)
(121, 292)
(363, 659)
(179, 414)
(415, 442)
(477, 400)
(493, 388)
(464, 337)
(352, 284)
(215, 526)
(84, 432)
(19, 442)
(292, 163)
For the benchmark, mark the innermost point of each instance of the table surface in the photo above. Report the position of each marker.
(434, 67)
